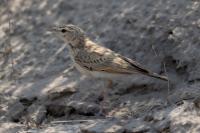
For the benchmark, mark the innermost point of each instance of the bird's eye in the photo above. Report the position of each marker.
(63, 30)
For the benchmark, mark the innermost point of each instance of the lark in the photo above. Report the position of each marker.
(95, 60)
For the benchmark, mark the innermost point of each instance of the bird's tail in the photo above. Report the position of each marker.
(137, 68)
(155, 75)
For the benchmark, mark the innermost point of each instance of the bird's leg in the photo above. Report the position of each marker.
(110, 83)
(72, 67)
(104, 96)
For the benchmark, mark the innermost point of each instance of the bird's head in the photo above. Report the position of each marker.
(70, 33)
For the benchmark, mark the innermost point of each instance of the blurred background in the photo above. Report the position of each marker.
(163, 35)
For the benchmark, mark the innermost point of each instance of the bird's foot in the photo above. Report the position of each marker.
(104, 105)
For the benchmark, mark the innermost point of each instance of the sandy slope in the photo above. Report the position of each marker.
(154, 32)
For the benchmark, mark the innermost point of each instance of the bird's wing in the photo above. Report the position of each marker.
(135, 65)
(98, 58)
(102, 59)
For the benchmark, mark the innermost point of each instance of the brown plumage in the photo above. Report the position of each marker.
(95, 60)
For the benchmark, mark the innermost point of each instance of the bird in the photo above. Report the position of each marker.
(95, 60)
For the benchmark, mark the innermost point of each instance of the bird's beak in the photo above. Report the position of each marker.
(53, 29)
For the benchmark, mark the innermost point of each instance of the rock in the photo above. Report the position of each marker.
(57, 109)
(60, 128)
(27, 101)
(103, 126)
(15, 111)
(84, 108)
(137, 126)
(197, 102)
(185, 118)
(60, 92)
(36, 114)
(184, 93)
(9, 127)
(162, 126)
(123, 113)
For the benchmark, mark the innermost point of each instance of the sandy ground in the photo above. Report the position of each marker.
(40, 89)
